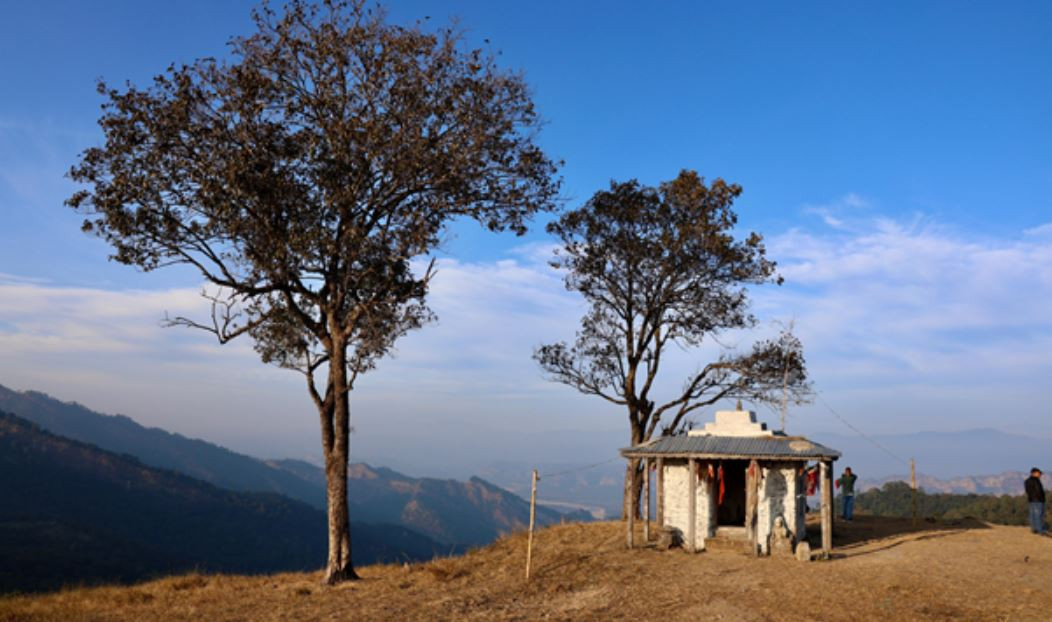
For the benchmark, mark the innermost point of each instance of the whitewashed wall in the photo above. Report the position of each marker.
(677, 500)
(778, 497)
(800, 530)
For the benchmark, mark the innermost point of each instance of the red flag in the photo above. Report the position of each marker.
(719, 474)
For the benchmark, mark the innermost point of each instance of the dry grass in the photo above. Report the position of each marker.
(883, 570)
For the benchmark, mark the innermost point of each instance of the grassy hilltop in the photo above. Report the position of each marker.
(884, 570)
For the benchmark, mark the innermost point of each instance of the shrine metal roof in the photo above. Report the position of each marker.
(777, 446)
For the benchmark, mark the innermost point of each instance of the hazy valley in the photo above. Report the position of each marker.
(98, 497)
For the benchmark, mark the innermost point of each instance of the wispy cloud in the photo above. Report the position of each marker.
(904, 323)
(34, 158)
(894, 313)
(106, 348)
(835, 213)
(1039, 231)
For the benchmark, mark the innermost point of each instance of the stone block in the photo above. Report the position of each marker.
(803, 551)
(668, 537)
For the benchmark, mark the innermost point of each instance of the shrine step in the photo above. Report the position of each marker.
(729, 539)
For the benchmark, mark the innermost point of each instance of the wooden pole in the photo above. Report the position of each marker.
(826, 474)
(533, 514)
(631, 519)
(752, 489)
(913, 485)
(660, 492)
(692, 502)
(646, 495)
(785, 381)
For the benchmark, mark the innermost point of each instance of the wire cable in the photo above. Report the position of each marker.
(860, 432)
(584, 468)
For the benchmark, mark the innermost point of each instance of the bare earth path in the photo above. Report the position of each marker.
(884, 570)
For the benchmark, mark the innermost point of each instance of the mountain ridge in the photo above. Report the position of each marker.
(73, 512)
(1006, 483)
(453, 512)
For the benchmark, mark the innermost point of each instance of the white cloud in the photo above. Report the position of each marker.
(914, 309)
(904, 323)
(1044, 230)
(106, 348)
(835, 213)
(34, 158)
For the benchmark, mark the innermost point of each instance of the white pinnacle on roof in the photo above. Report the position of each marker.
(733, 423)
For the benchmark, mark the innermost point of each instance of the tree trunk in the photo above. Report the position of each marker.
(632, 485)
(633, 480)
(335, 438)
(339, 566)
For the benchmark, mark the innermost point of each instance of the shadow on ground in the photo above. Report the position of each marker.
(869, 534)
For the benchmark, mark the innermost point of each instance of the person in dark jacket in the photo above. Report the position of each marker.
(1035, 494)
(846, 484)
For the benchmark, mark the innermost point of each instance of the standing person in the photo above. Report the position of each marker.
(846, 483)
(1035, 494)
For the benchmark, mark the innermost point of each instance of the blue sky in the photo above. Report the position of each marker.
(896, 156)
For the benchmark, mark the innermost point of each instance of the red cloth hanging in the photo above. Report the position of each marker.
(719, 474)
(812, 481)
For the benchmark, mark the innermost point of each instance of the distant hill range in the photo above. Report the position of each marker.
(469, 513)
(896, 498)
(943, 454)
(455, 513)
(950, 461)
(1007, 483)
(155, 447)
(596, 488)
(73, 513)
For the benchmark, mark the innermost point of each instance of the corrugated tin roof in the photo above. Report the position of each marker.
(777, 446)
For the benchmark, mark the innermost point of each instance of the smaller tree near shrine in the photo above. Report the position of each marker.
(662, 267)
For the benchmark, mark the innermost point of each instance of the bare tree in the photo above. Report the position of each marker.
(661, 266)
(302, 179)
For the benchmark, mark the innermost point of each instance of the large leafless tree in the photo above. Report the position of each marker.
(662, 267)
(303, 177)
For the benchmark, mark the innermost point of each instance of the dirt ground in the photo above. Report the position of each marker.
(883, 569)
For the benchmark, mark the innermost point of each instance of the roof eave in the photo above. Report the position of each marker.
(629, 453)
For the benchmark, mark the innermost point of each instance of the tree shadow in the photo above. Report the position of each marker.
(870, 534)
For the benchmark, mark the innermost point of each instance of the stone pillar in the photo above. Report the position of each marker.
(630, 522)
(646, 506)
(692, 505)
(826, 482)
(660, 492)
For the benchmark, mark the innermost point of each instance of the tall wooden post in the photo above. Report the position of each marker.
(826, 474)
(660, 492)
(692, 503)
(533, 514)
(913, 485)
(646, 495)
(631, 523)
(752, 498)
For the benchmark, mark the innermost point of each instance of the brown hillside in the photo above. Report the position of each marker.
(883, 570)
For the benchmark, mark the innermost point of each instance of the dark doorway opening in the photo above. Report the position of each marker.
(732, 510)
